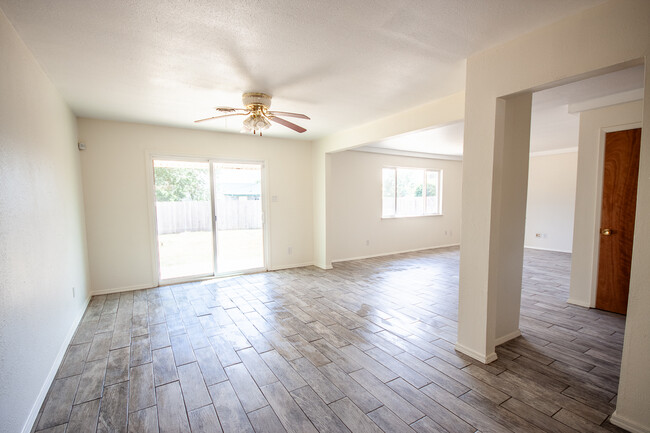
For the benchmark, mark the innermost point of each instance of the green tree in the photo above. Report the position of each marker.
(431, 190)
(178, 184)
(407, 181)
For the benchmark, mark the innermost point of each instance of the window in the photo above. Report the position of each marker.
(410, 192)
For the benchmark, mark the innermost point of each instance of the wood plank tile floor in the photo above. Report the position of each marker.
(365, 347)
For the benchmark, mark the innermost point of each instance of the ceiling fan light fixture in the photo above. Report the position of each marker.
(256, 122)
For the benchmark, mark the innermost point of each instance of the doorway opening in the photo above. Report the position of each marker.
(565, 187)
(575, 170)
(209, 218)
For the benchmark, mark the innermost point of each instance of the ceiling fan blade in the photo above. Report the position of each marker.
(286, 123)
(219, 117)
(284, 113)
(229, 109)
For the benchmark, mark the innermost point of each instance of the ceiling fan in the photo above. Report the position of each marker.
(258, 115)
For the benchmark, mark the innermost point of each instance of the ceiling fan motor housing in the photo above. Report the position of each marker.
(253, 100)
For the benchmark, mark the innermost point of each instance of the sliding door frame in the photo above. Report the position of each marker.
(264, 215)
(150, 157)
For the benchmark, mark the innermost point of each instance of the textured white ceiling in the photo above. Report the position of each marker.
(341, 62)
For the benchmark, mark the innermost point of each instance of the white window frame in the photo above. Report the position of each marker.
(425, 171)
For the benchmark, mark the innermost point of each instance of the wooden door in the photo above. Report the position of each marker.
(617, 219)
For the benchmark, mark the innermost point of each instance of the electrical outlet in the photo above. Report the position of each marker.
(290, 250)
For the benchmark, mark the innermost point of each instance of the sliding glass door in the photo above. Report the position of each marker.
(238, 207)
(209, 218)
(184, 219)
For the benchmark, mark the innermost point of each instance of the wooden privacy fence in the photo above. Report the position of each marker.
(194, 216)
(409, 205)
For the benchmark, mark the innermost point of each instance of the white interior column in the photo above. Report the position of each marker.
(495, 180)
(322, 173)
(634, 384)
(510, 188)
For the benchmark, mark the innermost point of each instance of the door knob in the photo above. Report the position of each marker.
(606, 232)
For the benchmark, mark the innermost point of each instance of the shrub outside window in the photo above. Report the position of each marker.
(408, 192)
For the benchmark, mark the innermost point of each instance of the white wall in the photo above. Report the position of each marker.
(42, 245)
(571, 49)
(117, 190)
(551, 201)
(354, 209)
(439, 112)
(591, 147)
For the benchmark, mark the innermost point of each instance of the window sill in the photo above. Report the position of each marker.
(399, 217)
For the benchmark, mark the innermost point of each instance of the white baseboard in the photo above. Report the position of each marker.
(153, 284)
(294, 265)
(476, 355)
(548, 249)
(628, 424)
(326, 266)
(123, 289)
(33, 413)
(512, 335)
(579, 303)
(393, 252)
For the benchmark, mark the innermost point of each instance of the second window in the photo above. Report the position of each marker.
(410, 192)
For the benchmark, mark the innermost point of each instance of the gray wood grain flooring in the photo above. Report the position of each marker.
(365, 347)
